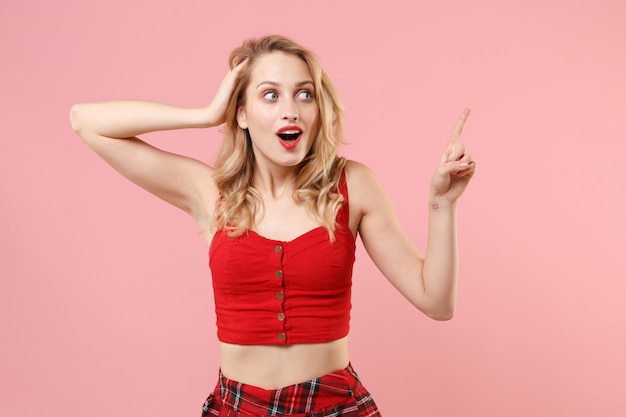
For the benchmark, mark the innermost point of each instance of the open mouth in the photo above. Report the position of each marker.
(290, 135)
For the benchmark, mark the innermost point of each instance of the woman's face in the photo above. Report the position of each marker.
(280, 110)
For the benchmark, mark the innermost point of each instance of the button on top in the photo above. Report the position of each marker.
(280, 295)
(279, 274)
(278, 249)
(281, 336)
(280, 316)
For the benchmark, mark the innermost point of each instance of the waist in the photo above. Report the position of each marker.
(276, 366)
(330, 390)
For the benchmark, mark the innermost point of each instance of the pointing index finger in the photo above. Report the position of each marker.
(458, 128)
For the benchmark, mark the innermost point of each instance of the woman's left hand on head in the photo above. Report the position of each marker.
(456, 167)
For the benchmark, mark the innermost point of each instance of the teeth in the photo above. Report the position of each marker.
(289, 132)
(290, 136)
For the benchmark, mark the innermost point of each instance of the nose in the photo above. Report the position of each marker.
(290, 110)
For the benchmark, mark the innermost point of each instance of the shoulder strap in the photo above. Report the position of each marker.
(343, 217)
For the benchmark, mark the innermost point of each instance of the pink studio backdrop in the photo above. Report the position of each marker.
(105, 295)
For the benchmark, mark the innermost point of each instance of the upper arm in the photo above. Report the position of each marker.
(385, 241)
(183, 182)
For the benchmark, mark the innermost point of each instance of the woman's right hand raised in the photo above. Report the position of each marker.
(219, 104)
(111, 128)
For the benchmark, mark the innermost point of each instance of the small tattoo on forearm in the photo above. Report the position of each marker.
(435, 206)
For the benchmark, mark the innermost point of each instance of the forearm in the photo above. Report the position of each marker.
(441, 262)
(124, 119)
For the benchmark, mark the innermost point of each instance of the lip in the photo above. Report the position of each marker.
(288, 128)
(289, 144)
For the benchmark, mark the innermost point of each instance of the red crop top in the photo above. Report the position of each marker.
(272, 292)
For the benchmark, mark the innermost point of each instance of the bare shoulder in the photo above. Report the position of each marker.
(364, 188)
(360, 177)
(358, 174)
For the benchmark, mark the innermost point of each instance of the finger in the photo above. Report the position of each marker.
(230, 78)
(469, 171)
(453, 153)
(458, 128)
(242, 64)
(237, 69)
(467, 158)
(464, 162)
(236, 62)
(456, 152)
(452, 168)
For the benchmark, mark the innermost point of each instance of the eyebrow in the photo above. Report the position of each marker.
(275, 84)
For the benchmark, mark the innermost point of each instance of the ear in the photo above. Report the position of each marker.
(242, 120)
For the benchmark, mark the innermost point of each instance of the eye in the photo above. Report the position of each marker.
(270, 95)
(305, 95)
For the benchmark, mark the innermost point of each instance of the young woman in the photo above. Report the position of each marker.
(281, 212)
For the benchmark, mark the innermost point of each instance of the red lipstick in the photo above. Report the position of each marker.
(289, 136)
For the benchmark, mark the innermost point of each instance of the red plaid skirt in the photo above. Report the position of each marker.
(338, 394)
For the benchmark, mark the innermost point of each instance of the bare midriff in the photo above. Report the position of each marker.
(277, 366)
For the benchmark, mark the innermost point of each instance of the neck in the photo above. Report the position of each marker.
(276, 182)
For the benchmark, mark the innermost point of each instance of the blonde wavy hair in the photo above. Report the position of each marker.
(317, 176)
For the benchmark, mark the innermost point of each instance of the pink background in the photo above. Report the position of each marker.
(105, 296)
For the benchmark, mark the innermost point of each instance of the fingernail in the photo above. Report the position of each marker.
(463, 165)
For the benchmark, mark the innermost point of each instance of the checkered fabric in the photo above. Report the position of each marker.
(338, 394)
